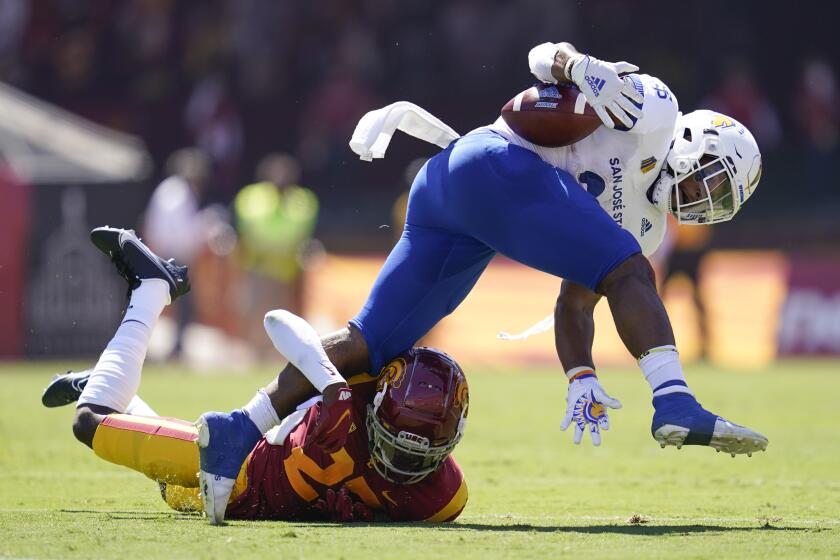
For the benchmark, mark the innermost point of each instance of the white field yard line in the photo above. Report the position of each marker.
(519, 518)
(84, 510)
(649, 519)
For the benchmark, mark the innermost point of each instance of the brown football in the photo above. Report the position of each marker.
(551, 115)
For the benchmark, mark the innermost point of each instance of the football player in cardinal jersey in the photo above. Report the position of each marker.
(394, 460)
(587, 213)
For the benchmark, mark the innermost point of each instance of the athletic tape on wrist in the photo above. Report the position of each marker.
(581, 372)
(572, 60)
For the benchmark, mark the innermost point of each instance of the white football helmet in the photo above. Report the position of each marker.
(718, 154)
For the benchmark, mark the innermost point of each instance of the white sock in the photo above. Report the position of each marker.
(261, 412)
(662, 369)
(139, 407)
(147, 302)
(300, 344)
(116, 376)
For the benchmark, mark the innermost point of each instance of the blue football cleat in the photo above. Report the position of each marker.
(680, 420)
(224, 442)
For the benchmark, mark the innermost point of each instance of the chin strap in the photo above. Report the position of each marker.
(462, 424)
(379, 397)
(660, 191)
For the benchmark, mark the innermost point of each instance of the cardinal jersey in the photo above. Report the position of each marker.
(284, 481)
(616, 166)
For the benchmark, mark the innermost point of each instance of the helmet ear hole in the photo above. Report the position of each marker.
(687, 134)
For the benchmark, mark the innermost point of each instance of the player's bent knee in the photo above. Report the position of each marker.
(636, 267)
(85, 423)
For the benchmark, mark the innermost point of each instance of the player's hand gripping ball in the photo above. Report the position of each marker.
(606, 87)
(586, 406)
(334, 421)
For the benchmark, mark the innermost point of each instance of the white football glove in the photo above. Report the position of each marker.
(604, 88)
(586, 405)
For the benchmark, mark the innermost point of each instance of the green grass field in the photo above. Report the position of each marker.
(532, 493)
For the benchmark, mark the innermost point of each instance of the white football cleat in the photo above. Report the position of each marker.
(728, 437)
(215, 493)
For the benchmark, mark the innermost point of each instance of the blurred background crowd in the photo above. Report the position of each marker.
(244, 109)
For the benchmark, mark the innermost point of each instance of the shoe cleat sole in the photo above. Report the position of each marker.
(671, 435)
(737, 440)
(727, 437)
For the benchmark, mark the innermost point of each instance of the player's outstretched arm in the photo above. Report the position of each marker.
(302, 346)
(574, 325)
(574, 332)
(614, 96)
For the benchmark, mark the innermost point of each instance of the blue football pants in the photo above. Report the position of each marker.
(480, 196)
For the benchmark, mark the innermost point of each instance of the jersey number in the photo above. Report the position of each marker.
(297, 464)
(595, 184)
(662, 92)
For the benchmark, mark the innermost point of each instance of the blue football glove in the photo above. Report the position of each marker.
(586, 406)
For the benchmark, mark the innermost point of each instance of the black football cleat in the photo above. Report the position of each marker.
(136, 262)
(65, 388)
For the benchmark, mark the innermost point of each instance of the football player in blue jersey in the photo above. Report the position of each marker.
(492, 192)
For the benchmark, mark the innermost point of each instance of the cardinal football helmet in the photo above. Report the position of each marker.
(418, 414)
(719, 154)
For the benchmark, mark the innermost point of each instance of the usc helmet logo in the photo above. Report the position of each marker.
(392, 374)
(722, 122)
(462, 394)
